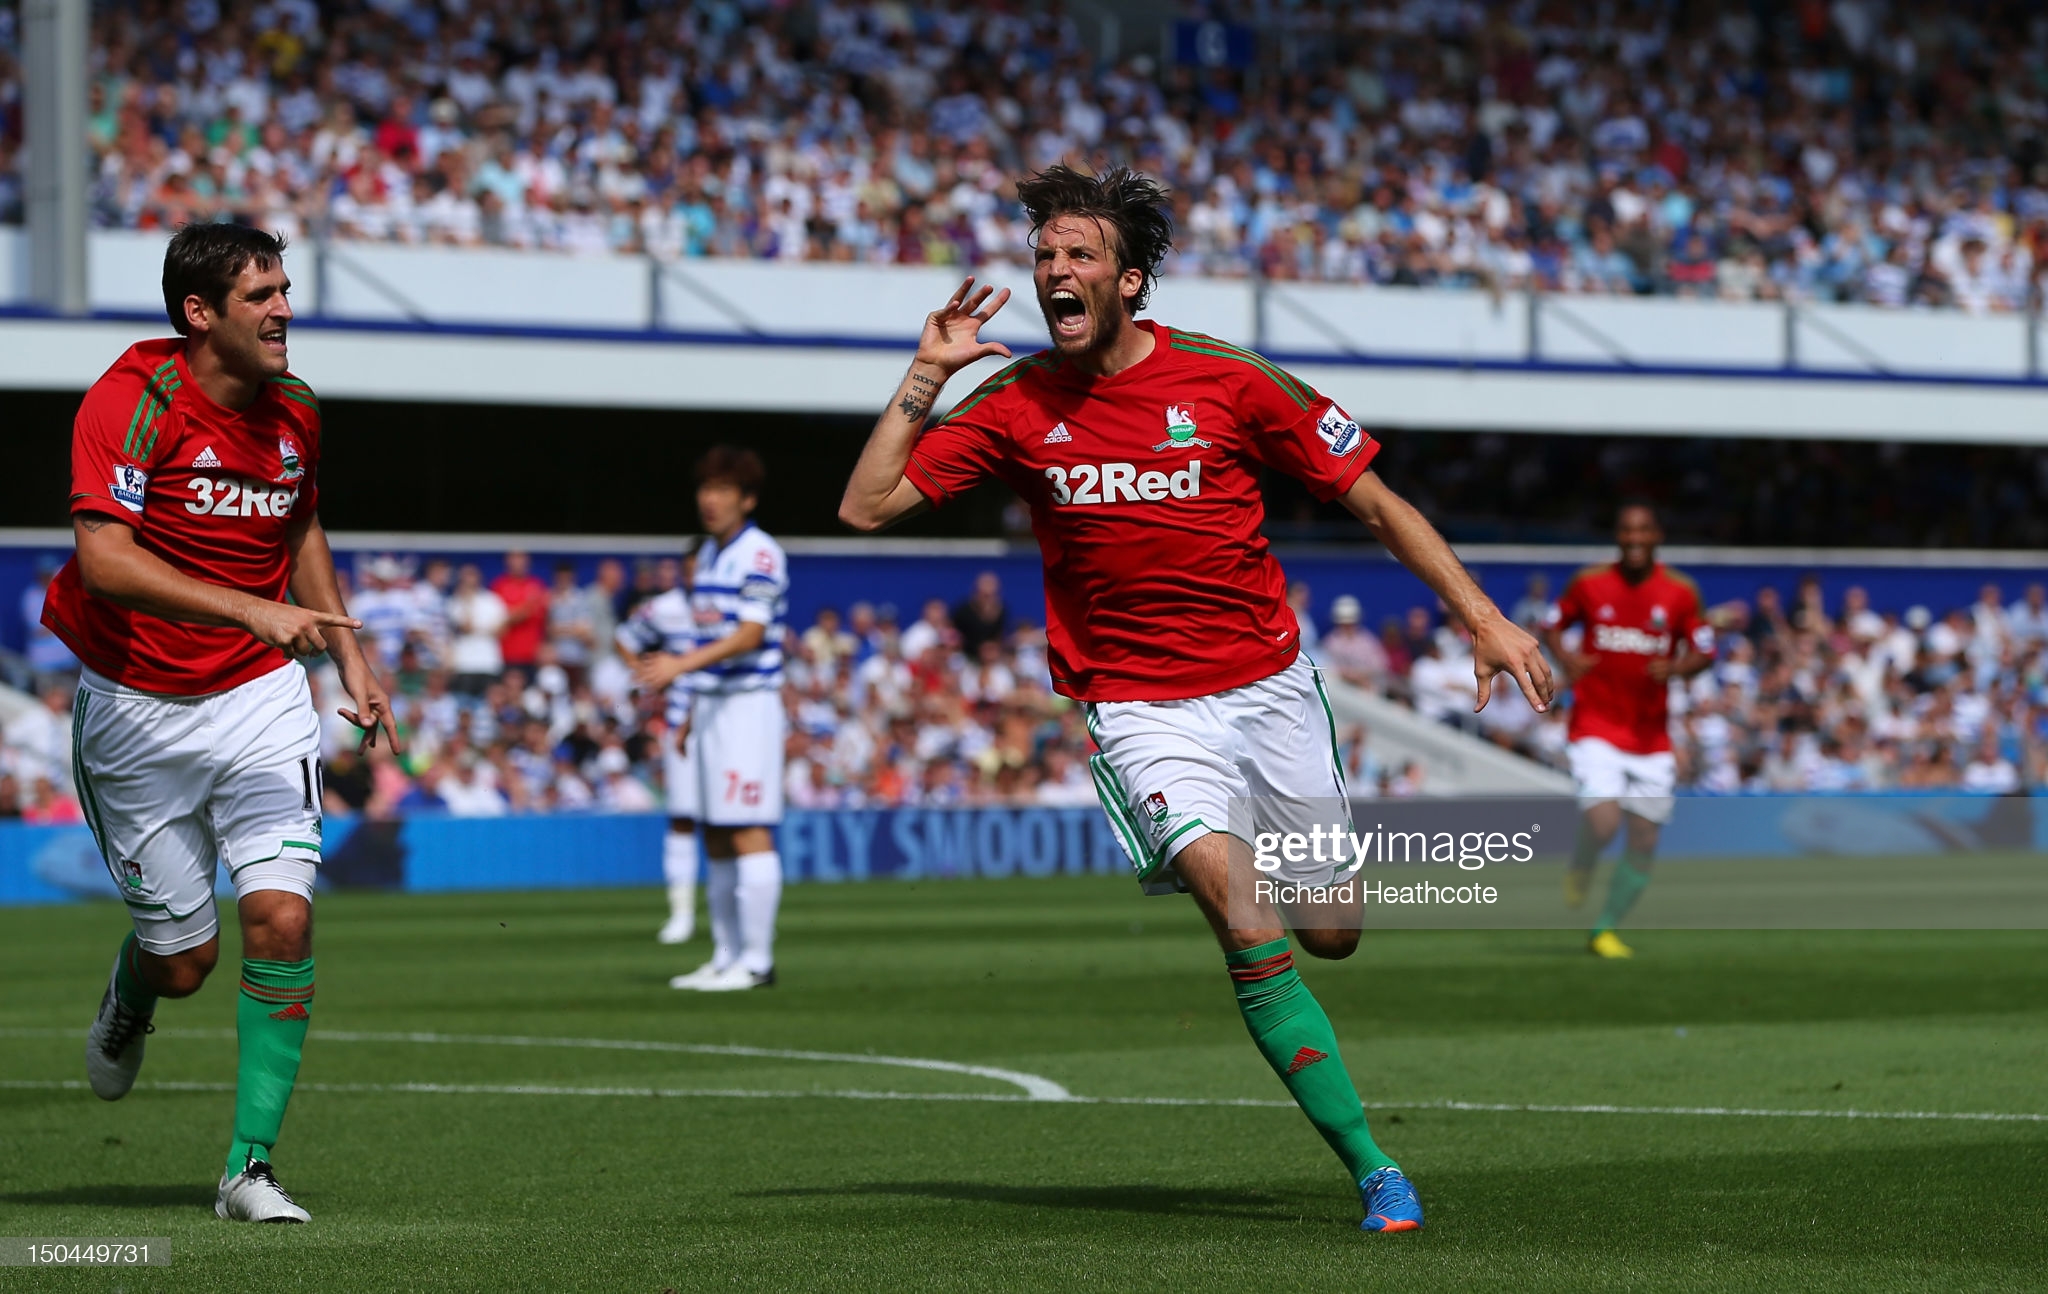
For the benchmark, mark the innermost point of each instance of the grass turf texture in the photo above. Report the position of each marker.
(1083, 982)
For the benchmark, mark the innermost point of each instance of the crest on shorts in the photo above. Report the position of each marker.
(131, 874)
(1180, 431)
(1155, 804)
(289, 468)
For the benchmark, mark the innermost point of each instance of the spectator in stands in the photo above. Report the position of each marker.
(982, 618)
(525, 600)
(477, 617)
(1355, 655)
(1300, 599)
(572, 623)
(50, 804)
(50, 662)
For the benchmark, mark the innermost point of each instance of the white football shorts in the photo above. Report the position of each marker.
(1603, 771)
(679, 775)
(1262, 757)
(173, 786)
(735, 751)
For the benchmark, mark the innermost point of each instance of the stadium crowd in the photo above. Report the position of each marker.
(1889, 152)
(511, 698)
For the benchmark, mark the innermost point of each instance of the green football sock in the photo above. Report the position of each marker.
(1585, 850)
(270, 1022)
(1294, 1035)
(129, 986)
(1631, 878)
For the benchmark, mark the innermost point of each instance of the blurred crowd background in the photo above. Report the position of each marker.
(1886, 151)
(513, 698)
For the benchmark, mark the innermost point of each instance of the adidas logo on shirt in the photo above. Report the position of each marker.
(1057, 436)
(207, 458)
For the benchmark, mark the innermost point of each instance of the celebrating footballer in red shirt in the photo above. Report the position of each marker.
(1138, 448)
(1641, 626)
(201, 572)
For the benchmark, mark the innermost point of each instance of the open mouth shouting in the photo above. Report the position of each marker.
(1067, 315)
(272, 340)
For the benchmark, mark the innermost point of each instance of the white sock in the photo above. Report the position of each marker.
(679, 868)
(760, 896)
(721, 887)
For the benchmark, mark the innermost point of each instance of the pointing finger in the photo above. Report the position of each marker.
(336, 618)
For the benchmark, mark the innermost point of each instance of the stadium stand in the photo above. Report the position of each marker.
(950, 705)
(1857, 151)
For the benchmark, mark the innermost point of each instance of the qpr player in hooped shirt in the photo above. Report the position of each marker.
(1138, 448)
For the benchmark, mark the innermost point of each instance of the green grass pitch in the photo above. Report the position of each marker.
(422, 1173)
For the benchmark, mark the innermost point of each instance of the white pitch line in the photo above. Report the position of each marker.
(1035, 1087)
(857, 1094)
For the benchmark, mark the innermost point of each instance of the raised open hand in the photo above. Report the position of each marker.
(951, 339)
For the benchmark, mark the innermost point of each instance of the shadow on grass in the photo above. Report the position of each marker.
(182, 1196)
(1250, 1206)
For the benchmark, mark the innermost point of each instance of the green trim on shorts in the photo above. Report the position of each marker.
(88, 799)
(165, 908)
(282, 846)
(1336, 752)
(1110, 793)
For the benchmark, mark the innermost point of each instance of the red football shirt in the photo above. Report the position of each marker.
(1144, 496)
(1626, 627)
(209, 490)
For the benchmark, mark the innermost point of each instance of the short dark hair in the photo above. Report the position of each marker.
(731, 465)
(205, 260)
(1132, 205)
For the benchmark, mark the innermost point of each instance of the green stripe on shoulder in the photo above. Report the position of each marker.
(1195, 343)
(296, 392)
(1007, 376)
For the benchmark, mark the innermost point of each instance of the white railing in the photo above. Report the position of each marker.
(376, 283)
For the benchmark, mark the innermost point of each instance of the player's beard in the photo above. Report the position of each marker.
(1104, 314)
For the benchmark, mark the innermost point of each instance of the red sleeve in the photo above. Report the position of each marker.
(1294, 429)
(957, 454)
(1692, 626)
(111, 438)
(1569, 609)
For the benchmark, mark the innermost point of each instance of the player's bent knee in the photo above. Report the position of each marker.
(1328, 945)
(181, 974)
(277, 925)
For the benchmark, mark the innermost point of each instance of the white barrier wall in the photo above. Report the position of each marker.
(393, 322)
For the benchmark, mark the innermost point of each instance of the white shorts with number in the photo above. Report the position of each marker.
(735, 745)
(172, 787)
(1171, 772)
(1603, 771)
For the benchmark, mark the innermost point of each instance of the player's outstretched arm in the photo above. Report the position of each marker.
(313, 586)
(113, 566)
(877, 495)
(1498, 644)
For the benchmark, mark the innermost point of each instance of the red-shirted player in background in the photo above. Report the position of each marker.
(1139, 448)
(1642, 628)
(194, 469)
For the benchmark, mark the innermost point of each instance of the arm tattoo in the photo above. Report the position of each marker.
(918, 396)
(93, 523)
